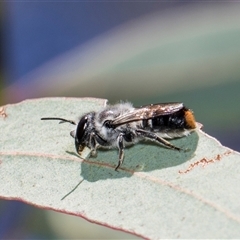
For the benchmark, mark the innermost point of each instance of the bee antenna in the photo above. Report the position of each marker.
(62, 120)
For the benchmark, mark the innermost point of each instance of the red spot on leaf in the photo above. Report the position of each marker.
(204, 162)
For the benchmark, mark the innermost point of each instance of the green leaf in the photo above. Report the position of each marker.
(158, 193)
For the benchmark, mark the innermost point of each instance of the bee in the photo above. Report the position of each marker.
(121, 125)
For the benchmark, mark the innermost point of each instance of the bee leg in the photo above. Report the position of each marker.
(153, 136)
(121, 151)
(93, 144)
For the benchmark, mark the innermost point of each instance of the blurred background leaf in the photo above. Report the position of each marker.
(144, 52)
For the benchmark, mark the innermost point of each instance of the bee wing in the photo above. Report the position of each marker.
(147, 112)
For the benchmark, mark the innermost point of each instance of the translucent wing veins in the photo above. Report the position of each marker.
(147, 112)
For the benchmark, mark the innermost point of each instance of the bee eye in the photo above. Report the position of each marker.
(81, 129)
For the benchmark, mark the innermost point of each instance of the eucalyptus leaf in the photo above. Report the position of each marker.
(157, 193)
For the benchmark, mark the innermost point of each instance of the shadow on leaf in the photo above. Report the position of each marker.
(144, 157)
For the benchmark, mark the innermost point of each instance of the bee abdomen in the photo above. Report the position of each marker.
(182, 119)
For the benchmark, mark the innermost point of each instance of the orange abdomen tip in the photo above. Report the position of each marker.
(190, 120)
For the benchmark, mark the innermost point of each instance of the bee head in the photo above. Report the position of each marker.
(80, 134)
